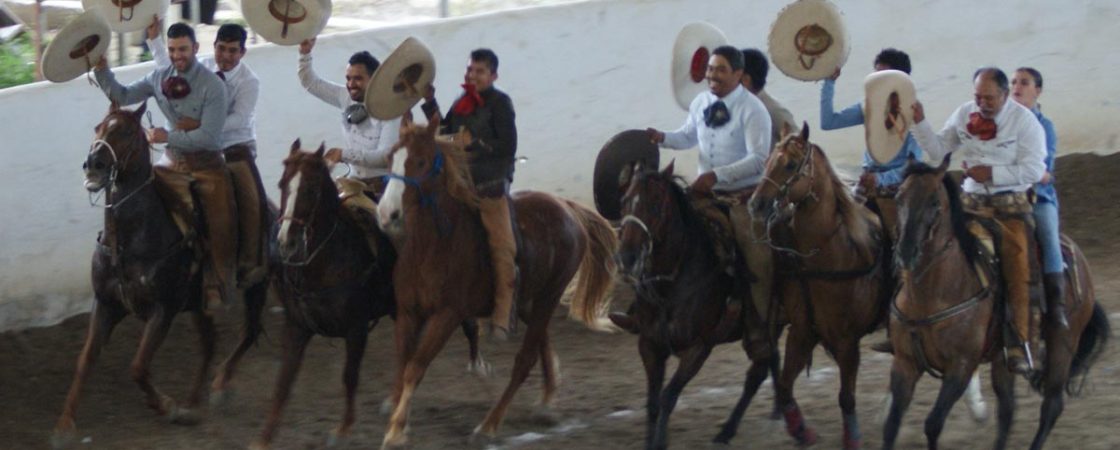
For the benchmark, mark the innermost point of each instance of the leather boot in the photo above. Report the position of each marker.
(249, 193)
(215, 193)
(1013, 252)
(503, 255)
(1054, 283)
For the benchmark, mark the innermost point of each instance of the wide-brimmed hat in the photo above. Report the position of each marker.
(808, 40)
(286, 22)
(619, 153)
(124, 16)
(399, 83)
(694, 45)
(887, 112)
(77, 47)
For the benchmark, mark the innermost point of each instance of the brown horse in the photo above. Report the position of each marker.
(145, 266)
(834, 271)
(331, 281)
(443, 276)
(945, 318)
(667, 255)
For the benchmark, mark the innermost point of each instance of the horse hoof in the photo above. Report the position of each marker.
(184, 416)
(222, 399)
(480, 368)
(544, 415)
(336, 439)
(807, 437)
(259, 445)
(853, 444)
(479, 439)
(63, 439)
(398, 442)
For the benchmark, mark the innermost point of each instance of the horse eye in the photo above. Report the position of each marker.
(790, 166)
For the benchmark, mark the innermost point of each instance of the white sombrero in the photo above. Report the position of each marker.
(77, 47)
(286, 22)
(887, 111)
(808, 40)
(124, 16)
(694, 45)
(399, 83)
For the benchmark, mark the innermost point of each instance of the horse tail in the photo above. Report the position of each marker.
(1093, 338)
(591, 300)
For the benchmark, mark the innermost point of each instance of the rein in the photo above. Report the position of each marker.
(427, 199)
(308, 230)
(804, 169)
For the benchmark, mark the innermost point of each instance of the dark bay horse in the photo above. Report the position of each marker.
(834, 273)
(668, 257)
(144, 265)
(331, 281)
(945, 318)
(444, 277)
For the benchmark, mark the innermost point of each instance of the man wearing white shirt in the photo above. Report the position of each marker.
(238, 139)
(1003, 148)
(732, 128)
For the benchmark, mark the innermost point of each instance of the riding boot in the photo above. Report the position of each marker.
(625, 321)
(1054, 284)
(1013, 252)
(750, 237)
(496, 219)
(249, 193)
(361, 207)
(215, 193)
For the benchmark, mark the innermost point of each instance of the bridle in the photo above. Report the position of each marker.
(642, 282)
(118, 166)
(308, 231)
(805, 169)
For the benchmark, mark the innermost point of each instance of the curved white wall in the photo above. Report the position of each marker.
(577, 73)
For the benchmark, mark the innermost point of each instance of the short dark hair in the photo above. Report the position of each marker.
(1034, 73)
(232, 32)
(180, 29)
(366, 59)
(997, 75)
(756, 65)
(487, 56)
(731, 54)
(894, 58)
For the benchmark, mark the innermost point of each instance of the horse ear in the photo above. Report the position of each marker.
(668, 171)
(141, 110)
(295, 147)
(944, 163)
(322, 149)
(114, 106)
(805, 131)
(333, 156)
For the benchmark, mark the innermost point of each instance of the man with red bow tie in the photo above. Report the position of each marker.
(1004, 149)
(487, 113)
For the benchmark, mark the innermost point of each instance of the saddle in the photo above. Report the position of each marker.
(358, 204)
(715, 213)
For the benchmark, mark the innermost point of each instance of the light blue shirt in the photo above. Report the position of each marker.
(888, 174)
(736, 152)
(1045, 191)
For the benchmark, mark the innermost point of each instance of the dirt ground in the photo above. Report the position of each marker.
(600, 402)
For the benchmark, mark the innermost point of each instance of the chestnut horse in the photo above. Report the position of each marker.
(667, 255)
(834, 273)
(945, 320)
(331, 281)
(145, 266)
(444, 276)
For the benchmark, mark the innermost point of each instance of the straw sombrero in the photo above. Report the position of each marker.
(808, 40)
(77, 47)
(399, 83)
(887, 111)
(124, 16)
(617, 154)
(694, 45)
(286, 22)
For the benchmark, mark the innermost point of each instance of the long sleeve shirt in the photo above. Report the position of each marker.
(369, 142)
(736, 152)
(206, 103)
(493, 127)
(1016, 154)
(779, 117)
(1045, 191)
(242, 90)
(886, 174)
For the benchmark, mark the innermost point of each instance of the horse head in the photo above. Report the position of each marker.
(119, 147)
(788, 179)
(308, 197)
(923, 209)
(647, 210)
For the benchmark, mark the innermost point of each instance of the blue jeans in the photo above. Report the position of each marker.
(1046, 221)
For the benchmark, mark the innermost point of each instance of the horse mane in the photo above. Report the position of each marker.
(676, 186)
(456, 163)
(970, 245)
(851, 213)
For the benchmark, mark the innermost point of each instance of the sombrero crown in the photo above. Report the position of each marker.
(808, 40)
(286, 22)
(887, 112)
(124, 16)
(399, 83)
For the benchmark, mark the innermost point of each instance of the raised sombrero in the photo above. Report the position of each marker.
(808, 40)
(887, 112)
(399, 83)
(617, 154)
(124, 16)
(77, 47)
(691, 50)
(286, 22)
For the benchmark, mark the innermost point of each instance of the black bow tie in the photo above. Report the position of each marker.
(716, 115)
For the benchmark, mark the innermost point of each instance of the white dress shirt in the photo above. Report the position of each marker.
(736, 151)
(367, 143)
(1016, 153)
(242, 90)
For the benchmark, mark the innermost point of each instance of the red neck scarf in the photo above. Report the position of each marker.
(981, 127)
(469, 101)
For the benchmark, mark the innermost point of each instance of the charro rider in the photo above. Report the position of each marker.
(487, 113)
(1003, 148)
(755, 69)
(193, 99)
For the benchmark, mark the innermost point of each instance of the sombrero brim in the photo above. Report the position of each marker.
(308, 20)
(620, 151)
(795, 23)
(77, 47)
(399, 83)
(134, 18)
(691, 50)
(884, 143)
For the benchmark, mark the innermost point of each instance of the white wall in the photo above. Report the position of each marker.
(578, 74)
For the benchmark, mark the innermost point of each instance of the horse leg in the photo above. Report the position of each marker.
(103, 319)
(691, 362)
(1003, 382)
(847, 357)
(756, 374)
(953, 386)
(799, 348)
(295, 342)
(1056, 373)
(206, 339)
(406, 334)
(974, 398)
(653, 360)
(255, 298)
(355, 349)
(155, 330)
(522, 366)
(550, 372)
(435, 334)
(476, 365)
(904, 376)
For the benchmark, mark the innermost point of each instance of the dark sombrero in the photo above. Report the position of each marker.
(618, 153)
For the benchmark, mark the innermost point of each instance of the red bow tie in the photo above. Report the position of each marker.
(981, 127)
(469, 101)
(175, 87)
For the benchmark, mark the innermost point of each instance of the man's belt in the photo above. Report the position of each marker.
(196, 160)
(996, 205)
(239, 152)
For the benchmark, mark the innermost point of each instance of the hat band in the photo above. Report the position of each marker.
(85, 46)
(123, 5)
(285, 16)
(812, 41)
